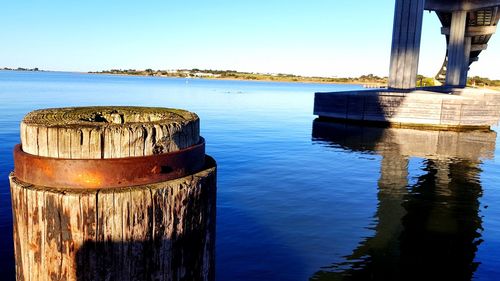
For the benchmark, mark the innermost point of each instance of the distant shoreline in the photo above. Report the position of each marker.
(243, 76)
(231, 79)
(206, 78)
(367, 81)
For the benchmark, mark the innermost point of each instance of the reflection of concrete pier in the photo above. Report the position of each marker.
(428, 144)
(468, 25)
(427, 230)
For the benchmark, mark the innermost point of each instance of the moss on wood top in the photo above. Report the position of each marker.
(105, 116)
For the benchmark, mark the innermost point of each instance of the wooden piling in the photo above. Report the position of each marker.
(157, 231)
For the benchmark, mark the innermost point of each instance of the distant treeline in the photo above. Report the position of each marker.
(233, 74)
(21, 69)
(481, 81)
(422, 81)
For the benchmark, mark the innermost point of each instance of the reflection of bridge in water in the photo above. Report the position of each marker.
(468, 26)
(427, 230)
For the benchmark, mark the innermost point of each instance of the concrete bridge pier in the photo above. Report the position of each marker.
(458, 51)
(405, 48)
(467, 25)
(465, 69)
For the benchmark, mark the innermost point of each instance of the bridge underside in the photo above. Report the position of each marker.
(467, 24)
(459, 5)
(480, 26)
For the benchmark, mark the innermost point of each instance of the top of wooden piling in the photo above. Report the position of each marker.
(105, 116)
(107, 131)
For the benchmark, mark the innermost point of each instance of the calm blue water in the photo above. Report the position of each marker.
(293, 204)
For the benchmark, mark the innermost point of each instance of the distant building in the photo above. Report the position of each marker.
(205, 74)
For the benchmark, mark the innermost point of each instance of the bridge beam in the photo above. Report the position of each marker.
(478, 47)
(405, 48)
(473, 30)
(462, 5)
(456, 50)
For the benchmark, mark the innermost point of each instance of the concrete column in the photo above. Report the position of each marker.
(465, 69)
(456, 49)
(405, 48)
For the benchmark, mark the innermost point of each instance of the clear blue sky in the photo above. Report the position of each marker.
(315, 37)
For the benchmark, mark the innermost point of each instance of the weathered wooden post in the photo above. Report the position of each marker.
(113, 193)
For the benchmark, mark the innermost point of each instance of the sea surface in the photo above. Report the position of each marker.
(300, 199)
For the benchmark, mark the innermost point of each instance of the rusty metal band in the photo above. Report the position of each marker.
(107, 173)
